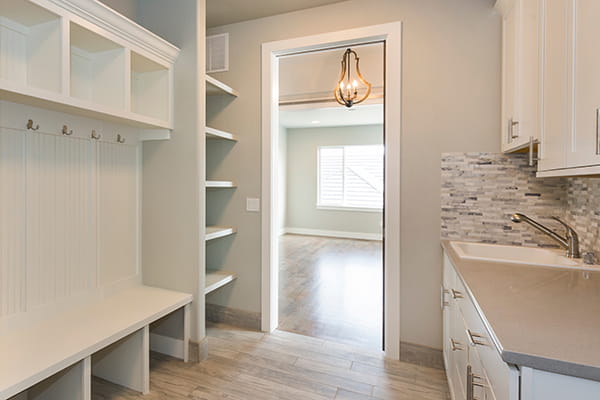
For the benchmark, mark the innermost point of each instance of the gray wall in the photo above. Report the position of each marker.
(128, 8)
(451, 102)
(302, 212)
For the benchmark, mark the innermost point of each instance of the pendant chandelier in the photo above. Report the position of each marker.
(346, 91)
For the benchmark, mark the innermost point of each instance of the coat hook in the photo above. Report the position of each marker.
(120, 139)
(95, 135)
(31, 127)
(66, 131)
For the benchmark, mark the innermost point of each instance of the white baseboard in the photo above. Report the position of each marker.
(166, 345)
(335, 234)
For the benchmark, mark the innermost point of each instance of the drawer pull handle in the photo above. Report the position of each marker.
(443, 298)
(473, 381)
(457, 295)
(475, 339)
(455, 345)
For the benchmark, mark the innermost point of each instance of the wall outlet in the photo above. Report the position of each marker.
(252, 205)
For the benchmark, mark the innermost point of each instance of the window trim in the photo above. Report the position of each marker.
(342, 207)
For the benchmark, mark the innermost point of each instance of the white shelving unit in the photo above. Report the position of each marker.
(217, 279)
(215, 87)
(212, 133)
(216, 232)
(219, 184)
(81, 57)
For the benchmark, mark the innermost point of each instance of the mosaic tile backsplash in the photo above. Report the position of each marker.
(480, 191)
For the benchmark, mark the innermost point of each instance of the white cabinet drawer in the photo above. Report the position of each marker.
(479, 339)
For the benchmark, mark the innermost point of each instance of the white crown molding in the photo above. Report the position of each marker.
(121, 26)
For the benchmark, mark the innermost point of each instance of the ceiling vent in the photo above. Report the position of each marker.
(217, 53)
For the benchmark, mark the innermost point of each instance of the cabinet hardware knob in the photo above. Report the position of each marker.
(66, 131)
(120, 139)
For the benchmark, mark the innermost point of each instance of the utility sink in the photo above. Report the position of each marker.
(518, 255)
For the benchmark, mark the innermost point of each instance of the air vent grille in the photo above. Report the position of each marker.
(217, 53)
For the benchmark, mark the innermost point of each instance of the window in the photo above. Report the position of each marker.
(351, 177)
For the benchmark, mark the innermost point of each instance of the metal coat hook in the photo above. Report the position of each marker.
(120, 139)
(66, 131)
(31, 127)
(95, 135)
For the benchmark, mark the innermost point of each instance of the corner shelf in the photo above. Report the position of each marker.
(215, 87)
(217, 279)
(216, 232)
(219, 184)
(212, 133)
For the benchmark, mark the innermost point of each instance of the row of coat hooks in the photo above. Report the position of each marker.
(68, 132)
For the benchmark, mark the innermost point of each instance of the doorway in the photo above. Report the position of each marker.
(390, 36)
(331, 186)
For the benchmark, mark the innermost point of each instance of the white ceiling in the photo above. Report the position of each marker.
(369, 114)
(223, 12)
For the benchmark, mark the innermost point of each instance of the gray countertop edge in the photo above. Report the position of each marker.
(524, 359)
(552, 365)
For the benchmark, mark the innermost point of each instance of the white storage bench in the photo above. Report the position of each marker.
(55, 357)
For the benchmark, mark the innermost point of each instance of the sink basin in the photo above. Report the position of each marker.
(518, 255)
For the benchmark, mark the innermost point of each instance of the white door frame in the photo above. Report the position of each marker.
(391, 34)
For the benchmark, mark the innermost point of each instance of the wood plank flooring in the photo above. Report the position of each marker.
(332, 289)
(247, 365)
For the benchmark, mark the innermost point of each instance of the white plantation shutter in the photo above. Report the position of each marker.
(351, 176)
(331, 176)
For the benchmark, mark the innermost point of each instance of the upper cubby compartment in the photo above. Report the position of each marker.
(30, 46)
(84, 58)
(150, 88)
(97, 68)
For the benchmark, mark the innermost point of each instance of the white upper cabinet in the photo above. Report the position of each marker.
(81, 57)
(520, 73)
(571, 88)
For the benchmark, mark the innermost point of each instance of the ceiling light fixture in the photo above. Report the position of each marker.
(346, 92)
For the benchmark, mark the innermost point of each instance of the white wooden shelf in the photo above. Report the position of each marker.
(217, 279)
(216, 232)
(86, 60)
(212, 133)
(215, 87)
(219, 184)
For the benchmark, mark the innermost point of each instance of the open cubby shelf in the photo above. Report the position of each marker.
(52, 57)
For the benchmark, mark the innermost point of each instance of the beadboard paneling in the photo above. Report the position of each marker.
(61, 218)
(69, 211)
(118, 214)
(12, 226)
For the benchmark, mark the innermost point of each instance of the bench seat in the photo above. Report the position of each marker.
(30, 355)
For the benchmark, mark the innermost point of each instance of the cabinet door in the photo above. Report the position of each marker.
(557, 94)
(583, 143)
(521, 73)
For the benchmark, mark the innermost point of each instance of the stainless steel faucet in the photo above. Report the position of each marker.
(570, 241)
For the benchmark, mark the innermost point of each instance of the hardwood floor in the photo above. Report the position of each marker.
(247, 365)
(332, 289)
